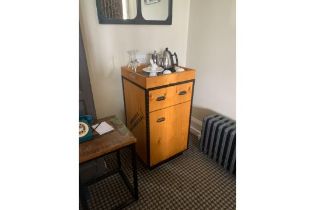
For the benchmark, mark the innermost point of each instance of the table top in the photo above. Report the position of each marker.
(103, 144)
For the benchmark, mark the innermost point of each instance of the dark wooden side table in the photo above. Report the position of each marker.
(102, 145)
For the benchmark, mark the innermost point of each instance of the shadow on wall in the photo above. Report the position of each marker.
(199, 112)
(197, 115)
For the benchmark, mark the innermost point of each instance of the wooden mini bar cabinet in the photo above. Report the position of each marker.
(157, 111)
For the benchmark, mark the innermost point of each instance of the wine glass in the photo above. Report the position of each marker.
(133, 62)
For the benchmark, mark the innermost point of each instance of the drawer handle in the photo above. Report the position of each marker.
(183, 92)
(160, 98)
(161, 119)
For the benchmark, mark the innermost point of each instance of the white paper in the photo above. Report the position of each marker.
(102, 128)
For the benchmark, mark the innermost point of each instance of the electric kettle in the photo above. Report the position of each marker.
(169, 60)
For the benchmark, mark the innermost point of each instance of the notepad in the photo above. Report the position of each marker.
(102, 128)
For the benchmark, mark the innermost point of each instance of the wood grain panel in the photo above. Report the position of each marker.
(168, 132)
(141, 78)
(183, 92)
(133, 76)
(161, 98)
(170, 78)
(136, 116)
(169, 96)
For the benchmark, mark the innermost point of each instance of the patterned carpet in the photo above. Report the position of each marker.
(190, 181)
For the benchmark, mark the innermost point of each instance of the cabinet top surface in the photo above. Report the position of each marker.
(145, 81)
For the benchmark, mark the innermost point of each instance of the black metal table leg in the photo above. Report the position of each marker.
(118, 159)
(133, 189)
(135, 176)
(83, 198)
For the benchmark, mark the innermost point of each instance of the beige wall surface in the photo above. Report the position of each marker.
(211, 50)
(107, 45)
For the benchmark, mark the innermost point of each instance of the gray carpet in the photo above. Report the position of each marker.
(190, 181)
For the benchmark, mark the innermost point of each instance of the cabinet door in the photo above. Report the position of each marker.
(168, 132)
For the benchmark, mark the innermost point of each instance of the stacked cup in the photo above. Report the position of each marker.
(153, 69)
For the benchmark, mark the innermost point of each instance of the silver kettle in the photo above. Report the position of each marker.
(169, 60)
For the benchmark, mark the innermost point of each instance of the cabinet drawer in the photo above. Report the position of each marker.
(169, 96)
(183, 92)
(168, 132)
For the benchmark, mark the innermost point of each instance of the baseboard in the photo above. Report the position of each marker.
(196, 121)
(195, 132)
(195, 127)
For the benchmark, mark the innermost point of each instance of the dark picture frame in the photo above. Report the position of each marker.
(138, 20)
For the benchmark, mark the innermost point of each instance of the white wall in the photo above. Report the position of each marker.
(211, 50)
(106, 49)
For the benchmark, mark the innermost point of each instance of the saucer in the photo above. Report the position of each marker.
(149, 69)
